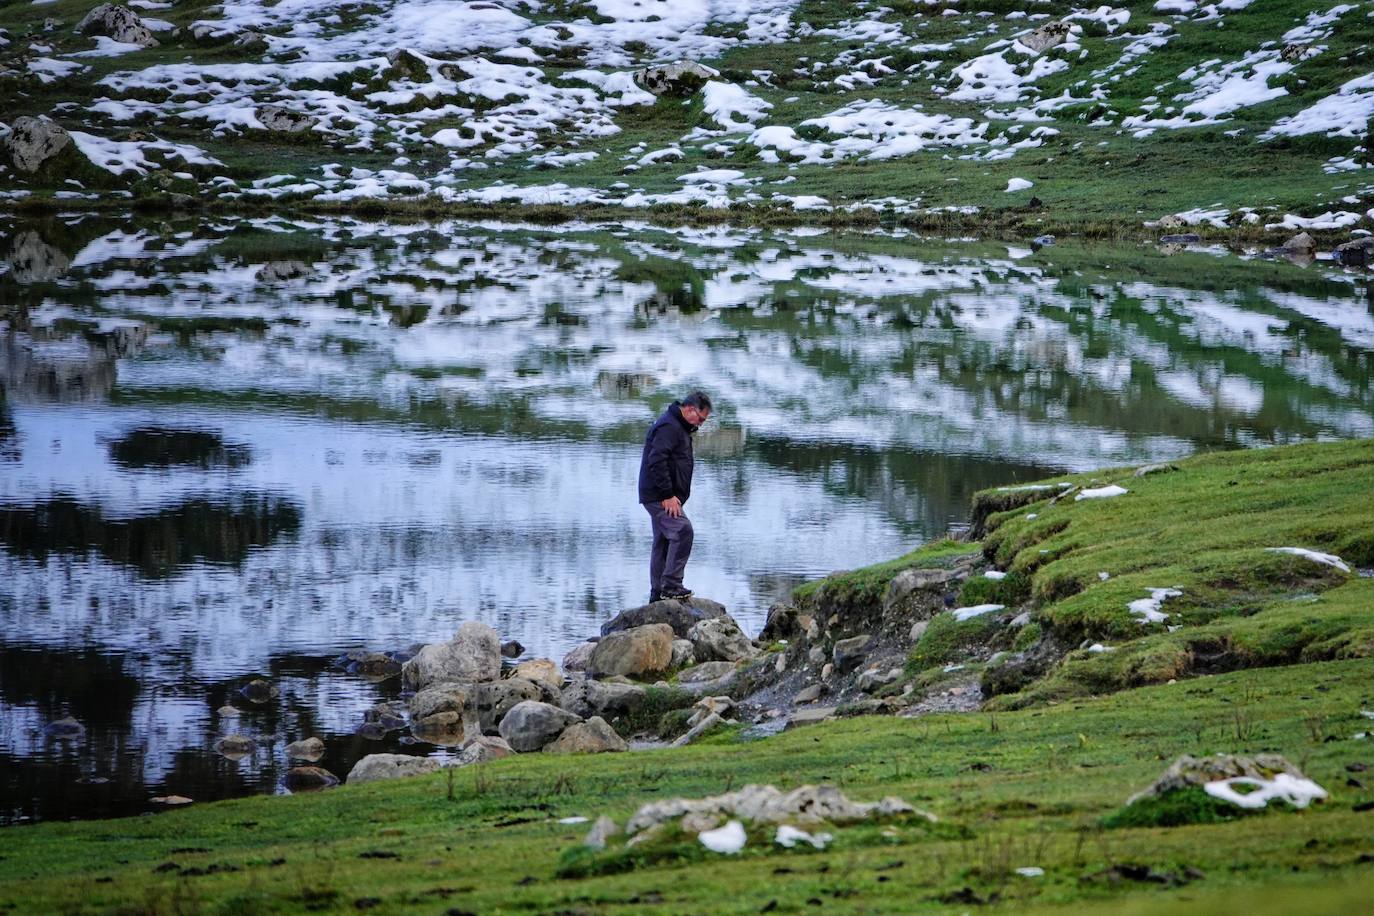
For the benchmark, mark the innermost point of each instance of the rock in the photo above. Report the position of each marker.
(1148, 469)
(440, 713)
(641, 650)
(1019, 669)
(1172, 221)
(512, 649)
(1293, 52)
(810, 716)
(311, 749)
(720, 639)
(228, 712)
(542, 670)
(680, 615)
(1196, 771)
(33, 141)
(918, 629)
(684, 655)
(871, 680)
(849, 652)
(816, 655)
(67, 729)
(1181, 238)
(376, 767)
(310, 779)
(258, 691)
(721, 706)
(33, 260)
(250, 41)
(283, 120)
(767, 805)
(1356, 253)
(809, 694)
(371, 731)
(276, 271)
(235, 747)
(119, 23)
(577, 659)
(707, 672)
(696, 731)
(473, 655)
(601, 832)
(482, 749)
(679, 78)
(826, 670)
(171, 800)
(446, 729)
(913, 580)
(1047, 36)
(1302, 243)
(390, 715)
(530, 725)
(593, 736)
(586, 698)
(783, 622)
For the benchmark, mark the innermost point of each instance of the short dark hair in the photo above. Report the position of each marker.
(698, 399)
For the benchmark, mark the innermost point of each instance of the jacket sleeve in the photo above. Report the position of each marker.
(657, 462)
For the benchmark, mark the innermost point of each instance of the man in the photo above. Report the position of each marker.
(665, 483)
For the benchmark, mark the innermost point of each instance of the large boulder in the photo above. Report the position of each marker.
(578, 656)
(33, 141)
(1356, 253)
(849, 652)
(1047, 36)
(682, 77)
(542, 670)
(33, 260)
(531, 725)
(593, 736)
(473, 655)
(641, 650)
(586, 698)
(720, 639)
(441, 709)
(281, 120)
(119, 23)
(680, 615)
(376, 767)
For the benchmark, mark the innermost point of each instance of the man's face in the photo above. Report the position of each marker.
(694, 415)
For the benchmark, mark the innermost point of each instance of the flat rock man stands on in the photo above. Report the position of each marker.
(665, 483)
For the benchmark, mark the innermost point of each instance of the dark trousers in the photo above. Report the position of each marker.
(672, 547)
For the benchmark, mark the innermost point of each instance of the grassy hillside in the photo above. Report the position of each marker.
(1248, 117)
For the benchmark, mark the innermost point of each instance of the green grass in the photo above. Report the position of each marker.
(869, 582)
(1023, 788)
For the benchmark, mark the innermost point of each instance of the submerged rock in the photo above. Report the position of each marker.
(310, 749)
(235, 747)
(376, 767)
(67, 729)
(310, 779)
(259, 691)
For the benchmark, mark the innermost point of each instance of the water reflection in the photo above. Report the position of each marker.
(234, 447)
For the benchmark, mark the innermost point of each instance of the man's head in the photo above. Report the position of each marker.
(696, 407)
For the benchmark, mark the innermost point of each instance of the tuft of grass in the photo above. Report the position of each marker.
(868, 583)
(1190, 805)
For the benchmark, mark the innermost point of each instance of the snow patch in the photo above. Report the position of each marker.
(1326, 559)
(1298, 791)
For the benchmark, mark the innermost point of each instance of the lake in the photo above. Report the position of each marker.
(235, 447)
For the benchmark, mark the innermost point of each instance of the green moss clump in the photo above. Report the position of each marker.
(1028, 636)
(947, 639)
(1175, 809)
(869, 582)
(1011, 590)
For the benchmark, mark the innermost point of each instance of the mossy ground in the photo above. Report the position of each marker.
(1027, 788)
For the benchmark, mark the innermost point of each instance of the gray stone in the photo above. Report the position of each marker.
(482, 749)
(531, 725)
(638, 651)
(680, 615)
(1356, 253)
(809, 694)
(1195, 771)
(601, 832)
(542, 670)
(701, 728)
(33, 260)
(1147, 469)
(473, 655)
(810, 716)
(816, 655)
(310, 749)
(389, 714)
(720, 639)
(678, 78)
(913, 580)
(586, 698)
(1047, 36)
(1302, 243)
(873, 679)
(707, 672)
(918, 629)
(594, 736)
(849, 652)
(277, 271)
(281, 120)
(67, 729)
(512, 649)
(577, 659)
(33, 141)
(310, 779)
(258, 691)
(235, 746)
(375, 767)
(683, 653)
(119, 23)
(250, 41)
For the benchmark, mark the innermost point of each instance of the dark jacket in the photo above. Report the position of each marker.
(665, 470)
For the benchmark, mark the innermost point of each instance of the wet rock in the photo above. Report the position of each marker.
(375, 767)
(850, 652)
(542, 670)
(371, 731)
(710, 721)
(512, 649)
(816, 655)
(1357, 253)
(235, 747)
(637, 651)
(530, 725)
(259, 691)
(1302, 243)
(577, 659)
(473, 655)
(390, 715)
(310, 749)
(1180, 238)
(586, 698)
(482, 749)
(281, 120)
(679, 78)
(720, 639)
(783, 622)
(276, 271)
(33, 260)
(310, 779)
(594, 736)
(67, 729)
(1047, 36)
(31, 142)
(119, 23)
(680, 615)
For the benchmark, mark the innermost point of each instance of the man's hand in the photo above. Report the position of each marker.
(673, 506)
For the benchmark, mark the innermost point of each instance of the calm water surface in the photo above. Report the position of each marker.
(238, 448)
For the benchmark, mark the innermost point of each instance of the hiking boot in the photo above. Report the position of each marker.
(676, 594)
